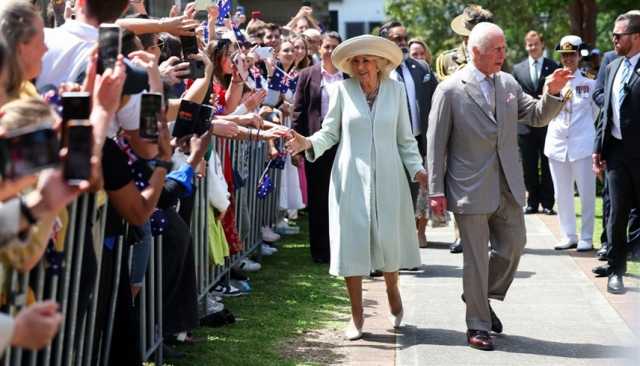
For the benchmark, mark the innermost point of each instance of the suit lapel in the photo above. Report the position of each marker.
(635, 75)
(615, 65)
(472, 88)
(501, 97)
(316, 81)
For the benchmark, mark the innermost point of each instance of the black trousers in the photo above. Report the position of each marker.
(318, 177)
(623, 179)
(633, 236)
(537, 177)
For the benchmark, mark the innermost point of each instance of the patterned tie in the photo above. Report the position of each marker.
(491, 94)
(624, 79)
(534, 73)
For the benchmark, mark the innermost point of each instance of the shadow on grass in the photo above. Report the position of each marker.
(291, 296)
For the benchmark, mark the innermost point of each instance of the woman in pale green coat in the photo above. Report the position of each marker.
(370, 210)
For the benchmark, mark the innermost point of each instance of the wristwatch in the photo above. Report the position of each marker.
(167, 164)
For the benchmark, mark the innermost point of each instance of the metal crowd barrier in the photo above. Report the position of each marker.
(77, 342)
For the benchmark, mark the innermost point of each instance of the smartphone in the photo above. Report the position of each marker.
(189, 46)
(188, 114)
(150, 108)
(264, 53)
(196, 69)
(204, 120)
(28, 150)
(203, 5)
(109, 46)
(239, 61)
(76, 105)
(79, 143)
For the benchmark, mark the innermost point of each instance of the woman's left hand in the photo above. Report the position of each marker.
(422, 178)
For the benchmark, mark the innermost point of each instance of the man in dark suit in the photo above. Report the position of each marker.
(420, 82)
(310, 106)
(616, 147)
(634, 217)
(530, 74)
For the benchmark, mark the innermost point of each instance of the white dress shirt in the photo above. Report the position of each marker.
(327, 79)
(535, 69)
(615, 95)
(410, 88)
(485, 85)
(70, 47)
(571, 133)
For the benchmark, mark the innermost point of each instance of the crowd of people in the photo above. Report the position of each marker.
(371, 140)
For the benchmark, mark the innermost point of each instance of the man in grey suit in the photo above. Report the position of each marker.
(473, 164)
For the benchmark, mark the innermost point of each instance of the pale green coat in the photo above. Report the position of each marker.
(357, 246)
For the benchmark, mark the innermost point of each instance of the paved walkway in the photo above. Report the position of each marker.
(555, 314)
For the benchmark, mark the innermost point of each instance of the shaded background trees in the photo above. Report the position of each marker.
(590, 19)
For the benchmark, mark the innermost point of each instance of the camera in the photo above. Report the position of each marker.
(150, 108)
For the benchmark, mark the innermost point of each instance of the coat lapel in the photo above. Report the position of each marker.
(501, 98)
(615, 65)
(472, 88)
(316, 81)
(635, 75)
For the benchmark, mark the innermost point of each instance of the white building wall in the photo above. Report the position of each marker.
(366, 11)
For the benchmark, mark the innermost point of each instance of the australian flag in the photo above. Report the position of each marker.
(224, 9)
(279, 81)
(238, 34)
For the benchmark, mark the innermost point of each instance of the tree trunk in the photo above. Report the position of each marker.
(582, 16)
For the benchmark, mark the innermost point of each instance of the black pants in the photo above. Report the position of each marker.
(537, 178)
(623, 179)
(318, 177)
(633, 237)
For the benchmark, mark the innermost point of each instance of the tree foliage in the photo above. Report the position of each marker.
(430, 19)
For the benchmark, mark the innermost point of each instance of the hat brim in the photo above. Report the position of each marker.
(366, 45)
(457, 25)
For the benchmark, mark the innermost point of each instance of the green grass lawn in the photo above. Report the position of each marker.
(291, 295)
(632, 267)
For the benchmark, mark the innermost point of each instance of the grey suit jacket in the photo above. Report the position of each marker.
(467, 146)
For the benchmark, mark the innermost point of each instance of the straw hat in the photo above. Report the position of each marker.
(366, 45)
(471, 15)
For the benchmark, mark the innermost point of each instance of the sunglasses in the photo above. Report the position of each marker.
(620, 35)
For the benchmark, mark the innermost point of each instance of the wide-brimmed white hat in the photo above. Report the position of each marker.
(363, 46)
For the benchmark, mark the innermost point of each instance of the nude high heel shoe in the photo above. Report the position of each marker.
(396, 320)
(352, 332)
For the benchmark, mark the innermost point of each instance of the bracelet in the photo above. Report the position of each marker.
(27, 213)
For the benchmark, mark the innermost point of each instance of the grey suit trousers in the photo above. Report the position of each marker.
(489, 274)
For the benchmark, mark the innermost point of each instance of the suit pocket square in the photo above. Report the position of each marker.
(510, 97)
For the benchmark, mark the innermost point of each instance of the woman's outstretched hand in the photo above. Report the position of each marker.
(296, 143)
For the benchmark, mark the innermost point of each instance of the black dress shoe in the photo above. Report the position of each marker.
(530, 210)
(565, 246)
(479, 339)
(602, 271)
(456, 247)
(496, 324)
(548, 211)
(602, 253)
(615, 284)
(376, 273)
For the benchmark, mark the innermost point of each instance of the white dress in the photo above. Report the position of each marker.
(290, 193)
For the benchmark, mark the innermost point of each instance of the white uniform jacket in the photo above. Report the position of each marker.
(571, 133)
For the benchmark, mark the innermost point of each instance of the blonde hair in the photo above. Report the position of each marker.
(24, 113)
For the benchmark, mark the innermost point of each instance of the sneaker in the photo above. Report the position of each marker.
(243, 286)
(284, 228)
(226, 291)
(269, 235)
(247, 265)
(266, 250)
(214, 306)
(292, 214)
